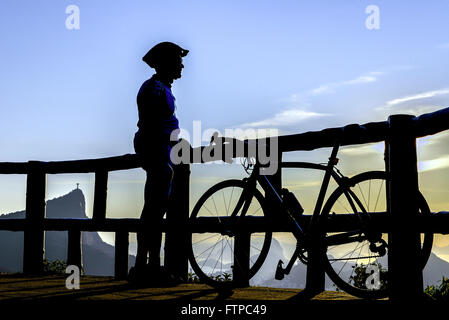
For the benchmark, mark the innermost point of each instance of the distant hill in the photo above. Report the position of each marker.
(297, 277)
(435, 269)
(98, 256)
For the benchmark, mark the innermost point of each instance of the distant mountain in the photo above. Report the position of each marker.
(265, 276)
(441, 251)
(98, 256)
(296, 278)
(435, 269)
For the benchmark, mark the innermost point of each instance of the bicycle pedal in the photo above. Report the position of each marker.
(279, 275)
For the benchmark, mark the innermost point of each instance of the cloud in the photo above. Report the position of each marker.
(369, 77)
(420, 109)
(418, 96)
(294, 115)
(417, 103)
(302, 184)
(434, 164)
(331, 87)
(363, 150)
(285, 118)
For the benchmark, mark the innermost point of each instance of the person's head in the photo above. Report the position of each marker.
(166, 59)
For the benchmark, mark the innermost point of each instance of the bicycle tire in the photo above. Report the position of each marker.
(341, 278)
(260, 242)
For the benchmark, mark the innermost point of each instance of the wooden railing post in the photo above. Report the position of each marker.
(405, 274)
(121, 254)
(100, 196)
(315, 277)
(176, 259)
(33, 243)
(74, 248)
(240, 271)
(242, 244)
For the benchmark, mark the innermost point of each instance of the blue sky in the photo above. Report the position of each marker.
(71, 93)
(290, 65)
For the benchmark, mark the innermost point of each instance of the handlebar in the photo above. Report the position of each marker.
(228, 147)
(248, 148)
(255, 153)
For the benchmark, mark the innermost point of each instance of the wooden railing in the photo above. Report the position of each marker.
(35, 222)
(399, 133)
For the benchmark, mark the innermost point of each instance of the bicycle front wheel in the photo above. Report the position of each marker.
(353, 255)
(211, 254)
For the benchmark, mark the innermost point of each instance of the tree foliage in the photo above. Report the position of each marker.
(439, 293)
(360, 275)
(55, 266)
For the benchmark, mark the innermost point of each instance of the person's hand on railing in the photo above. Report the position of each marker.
(230, 147)
(219, 148)
(215, 139)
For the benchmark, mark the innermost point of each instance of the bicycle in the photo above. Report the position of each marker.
(346, 254)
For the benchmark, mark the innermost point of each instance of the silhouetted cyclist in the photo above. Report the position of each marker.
(152, 143)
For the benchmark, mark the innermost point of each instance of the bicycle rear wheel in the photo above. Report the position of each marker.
(211, 254)
(352, 255)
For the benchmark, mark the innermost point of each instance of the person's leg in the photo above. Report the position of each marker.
(157, 193)
(142, 236)
(142, 246)
(142, 251)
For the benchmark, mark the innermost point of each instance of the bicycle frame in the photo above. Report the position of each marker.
(340, 232)
(270, 190)
(272, 193)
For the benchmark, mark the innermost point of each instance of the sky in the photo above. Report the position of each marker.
(293, 66)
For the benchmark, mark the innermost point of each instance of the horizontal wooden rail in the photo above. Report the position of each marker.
(423, 125)
(352, 134)
(124, 162)
(399, 133)
(437, 223)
